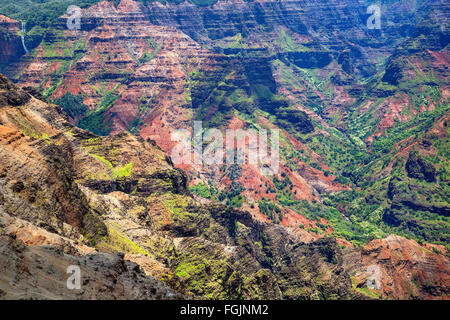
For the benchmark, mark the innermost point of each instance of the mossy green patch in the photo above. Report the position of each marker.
(116, 241)
(122, 172)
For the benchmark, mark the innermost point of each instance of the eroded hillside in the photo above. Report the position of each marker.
(65, 190)
(363, 118)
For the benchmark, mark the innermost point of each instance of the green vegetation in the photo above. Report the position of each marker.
(122, 172)
(95, 120)
(147, 56)
(271, 210)
(116, 241)
(394, 194)
(72, 105)
(115, 173)
(201, 190)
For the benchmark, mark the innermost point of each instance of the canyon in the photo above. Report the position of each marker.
(87, 138)
(70, 197)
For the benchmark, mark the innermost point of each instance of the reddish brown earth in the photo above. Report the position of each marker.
(407, 270)
(10, 42)
(110, 56)
(150, 68)
(397, 108)
(400, 108)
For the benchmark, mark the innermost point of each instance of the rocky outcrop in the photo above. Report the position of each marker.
(39, 187)
(11, 95)
(400, 268)
(10, 43)
(35, 265)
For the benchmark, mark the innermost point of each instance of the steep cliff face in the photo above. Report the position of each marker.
(42, 183)
(326, 27)
(10, 42)
(326, 42)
